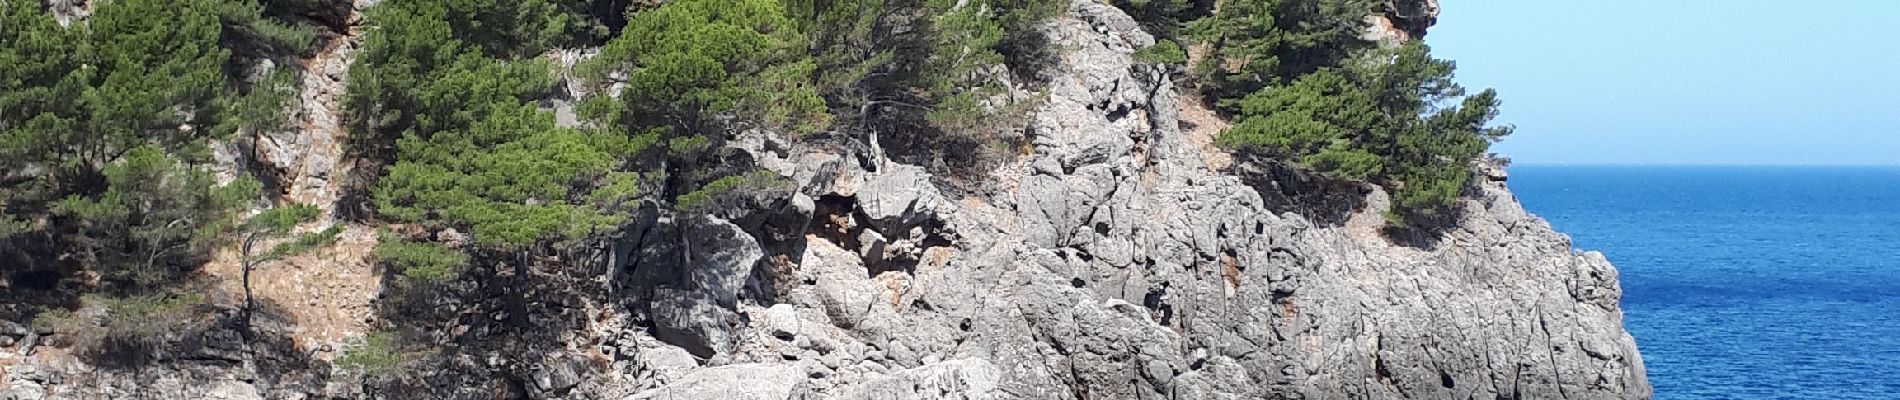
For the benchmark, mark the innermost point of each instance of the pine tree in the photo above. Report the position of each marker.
(104, 126)
(154, 221)
(273, 225)
(698, 71)
(1255, 44)
(1379, 120)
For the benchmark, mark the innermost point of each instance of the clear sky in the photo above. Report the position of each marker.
(1684, 81)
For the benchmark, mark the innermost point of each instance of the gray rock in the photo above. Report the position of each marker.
(899, 195)
(28, 343)
(740, 381)
(782, 320)
(833, 360)
(960, 379)
(666, 362)
(23, 391)
(695, 321)
(225, 345)
(14, 329)
(34, 373)
(844, 292)
(68, 12)
(232, 390)
(721, 256)
(1120, 266)
(558, 377)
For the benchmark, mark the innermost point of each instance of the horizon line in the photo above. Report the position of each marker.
(1693, 164)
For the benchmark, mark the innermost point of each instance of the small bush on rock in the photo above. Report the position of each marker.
(373, 354)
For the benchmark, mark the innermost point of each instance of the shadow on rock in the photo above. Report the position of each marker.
(1287, 188)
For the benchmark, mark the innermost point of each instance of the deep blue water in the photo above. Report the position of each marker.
(1744, 282)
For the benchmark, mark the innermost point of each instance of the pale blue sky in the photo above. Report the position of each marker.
(1684, 81)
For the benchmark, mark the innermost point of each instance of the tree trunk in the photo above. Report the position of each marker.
(518, 304)
(245, 263)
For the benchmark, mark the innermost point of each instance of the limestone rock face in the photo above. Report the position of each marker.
(307, 163)
(1114, 263)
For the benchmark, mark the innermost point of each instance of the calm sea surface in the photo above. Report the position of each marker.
(1744, 282)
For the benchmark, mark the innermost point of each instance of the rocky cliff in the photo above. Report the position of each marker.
(1119, 258)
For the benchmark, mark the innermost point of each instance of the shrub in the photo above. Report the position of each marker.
(722, 192)
(148, 318)
(1162, 52)
(65, 324)
(128, 331)
(373, 354)
(156, 218)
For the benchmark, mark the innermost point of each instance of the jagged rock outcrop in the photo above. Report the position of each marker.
(1114, 264)
(1111, 262)
(1399, 21)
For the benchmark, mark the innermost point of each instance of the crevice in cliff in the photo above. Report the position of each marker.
(882, 246)
(1550, 345)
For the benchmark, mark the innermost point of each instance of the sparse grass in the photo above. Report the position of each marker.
(61, 322)
(373, 354)
(143, 322)
(128, 329)
(713, 195)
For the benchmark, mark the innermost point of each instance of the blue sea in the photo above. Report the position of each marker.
(1744, 282)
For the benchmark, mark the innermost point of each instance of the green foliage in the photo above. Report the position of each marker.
(724, 190)
(305, 242)
(104, 126)
(698, 71)
(262, 109)
(1162, 52)
(1316, 120)
(126, 331)
(517, 29)
(246, 21)
(512, 180)
(1381, 120)
(59, 321)
(374, 354)
(132, 326)
(1255, 44)
(690, 64)
(844, 41)
(154, 210)
(437, 65)
(959, 78)
(470, 152)
(1304, 85)
(146, 315)
(417, 73)
(1164, 18)
(160, 66)
(280, 220)
(422, 262)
